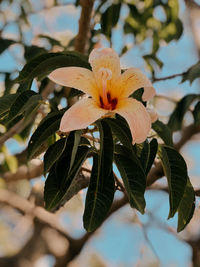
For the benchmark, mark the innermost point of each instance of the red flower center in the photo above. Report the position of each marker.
(110, 104)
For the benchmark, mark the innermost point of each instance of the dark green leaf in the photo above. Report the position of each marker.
(121, 130)
(148, 154)
(51, 40)
(133, 176)
(59, 179)
(144, 155)
(175, 170)
(196, 113)
(30, 109)
(77, 138)
(24, 86)
(5, 43)
(100, 193)
(176, 118)
(152, 155)
(163, 131)
(192, 73)
(5, 103)
(20, 104)
(186, 207)
(33, 51)
(110, 18)
(43, 64)
(53, 153)
(48, 126)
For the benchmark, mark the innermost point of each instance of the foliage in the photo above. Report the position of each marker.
(27, 101)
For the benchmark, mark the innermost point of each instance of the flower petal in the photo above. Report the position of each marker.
(75, 77)
(105, 58)
(153, 114)
(137, 117)
(133, 79)
(81, 115)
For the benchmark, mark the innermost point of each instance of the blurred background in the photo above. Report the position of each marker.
(160, 37)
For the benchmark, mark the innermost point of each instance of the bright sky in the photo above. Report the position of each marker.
(120, 242)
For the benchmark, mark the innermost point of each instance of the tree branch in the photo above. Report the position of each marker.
(84, 25)
(26, 207)
(169, 77)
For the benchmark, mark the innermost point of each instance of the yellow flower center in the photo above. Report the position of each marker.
(106, 101)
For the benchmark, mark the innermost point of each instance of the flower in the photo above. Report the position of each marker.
(109, 92)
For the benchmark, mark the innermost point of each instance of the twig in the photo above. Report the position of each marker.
(168, 77)
(17, 128)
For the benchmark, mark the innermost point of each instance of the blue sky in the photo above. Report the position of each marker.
(120, 242)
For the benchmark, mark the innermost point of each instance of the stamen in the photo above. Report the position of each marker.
(105, 74)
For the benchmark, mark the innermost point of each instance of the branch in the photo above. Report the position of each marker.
(35, 169)
(84, 25)
(168, 77)
(17, 128)
(26, 207)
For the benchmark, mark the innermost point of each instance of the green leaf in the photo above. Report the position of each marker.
(5, 43)
(176, 118)
(20, 104)
(186, 207)
(59, 179)
(53, 153)
(110, 18)
(175, 170)
(133, 176)
(33, 51)
(47, 127)
(51, 40)
(77, 138)
(5, 103)
(152, 155)
(43, 64)
(101, 189)
(121, 130)
(31, 108)
(148, 154)
(144, 155)
(163, 131)
(192, 73)
(24, 86)
(196, 113)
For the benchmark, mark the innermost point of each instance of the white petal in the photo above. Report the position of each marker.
(133, 79)
(75, 77)
(137, 117)
(153, 114)
(81, 115)
(105, 58)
